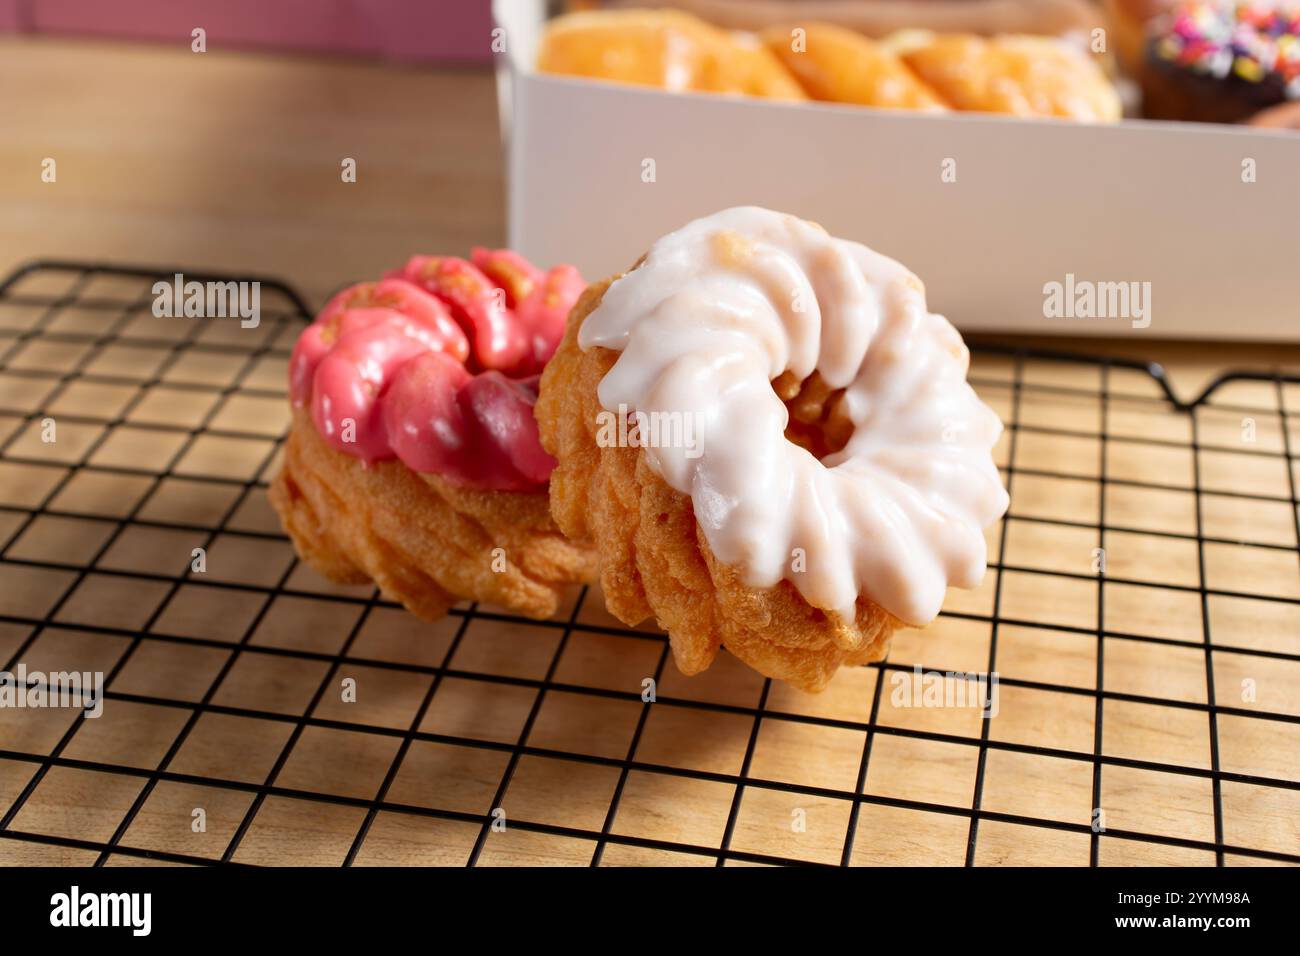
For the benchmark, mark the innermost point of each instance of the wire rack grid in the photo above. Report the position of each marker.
(1141, 613)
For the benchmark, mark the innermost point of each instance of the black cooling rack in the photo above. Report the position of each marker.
(59, 319)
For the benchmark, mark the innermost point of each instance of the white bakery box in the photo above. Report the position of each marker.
(1014, 225)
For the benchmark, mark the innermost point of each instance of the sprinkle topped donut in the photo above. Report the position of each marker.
(1256, 42)
(1221, 61)
(733, 316)
(436, 364)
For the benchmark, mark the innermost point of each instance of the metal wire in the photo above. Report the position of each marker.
(79, 279)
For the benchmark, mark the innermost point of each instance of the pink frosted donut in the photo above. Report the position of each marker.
(437, 364)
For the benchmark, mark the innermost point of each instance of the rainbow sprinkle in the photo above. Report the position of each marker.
(1253, 42)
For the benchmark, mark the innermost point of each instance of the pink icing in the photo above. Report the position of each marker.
(437, 364)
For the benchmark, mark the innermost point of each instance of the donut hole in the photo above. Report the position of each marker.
(819, 421)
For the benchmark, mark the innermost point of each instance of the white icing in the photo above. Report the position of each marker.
(723, 306)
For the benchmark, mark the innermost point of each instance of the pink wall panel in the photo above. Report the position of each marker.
(449, 30)
(8, 15)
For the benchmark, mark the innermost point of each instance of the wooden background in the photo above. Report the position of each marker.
(224, 690)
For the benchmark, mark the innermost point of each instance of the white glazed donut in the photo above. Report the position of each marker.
(720, 309)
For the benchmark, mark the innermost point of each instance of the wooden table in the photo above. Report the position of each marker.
(232, 162)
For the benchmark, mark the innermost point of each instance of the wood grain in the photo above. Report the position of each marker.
(232, 161)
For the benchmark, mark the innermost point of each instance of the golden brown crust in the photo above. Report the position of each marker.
(654, 559)
(1019, 75)
(1018, 69)
(423, 541)
(840, 66)
(666, 49)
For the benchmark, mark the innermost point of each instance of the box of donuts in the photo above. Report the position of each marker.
(1049, 166)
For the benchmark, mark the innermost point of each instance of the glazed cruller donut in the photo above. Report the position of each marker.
(838, 475)
(413, 460)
